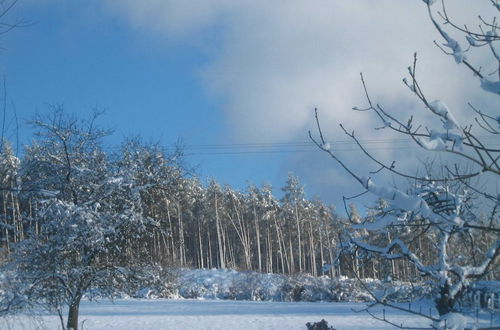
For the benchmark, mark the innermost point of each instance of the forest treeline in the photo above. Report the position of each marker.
(192, 224)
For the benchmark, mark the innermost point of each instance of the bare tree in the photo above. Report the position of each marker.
(6, 23)
(441, 205)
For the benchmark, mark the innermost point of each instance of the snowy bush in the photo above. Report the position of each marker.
(230, 284)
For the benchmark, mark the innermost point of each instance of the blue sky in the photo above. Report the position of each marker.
(145, 86)
(80, 56)
(218, 72)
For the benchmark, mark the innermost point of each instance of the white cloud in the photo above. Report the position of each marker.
(279, 59)
(272, 62)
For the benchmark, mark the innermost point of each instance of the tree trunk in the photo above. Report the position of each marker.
(225, 245)
(72, 323)
(200, 246)
(172, 242)
(243, 235)
(444, 304)
(292, 260)
(393, 262)
(218, 228)
(280, 247)
(269, 251)
(298, 237)
(6, 233)
(182, 248)
(312, 253)
(322, 257)
(257, 234)
(210, 261)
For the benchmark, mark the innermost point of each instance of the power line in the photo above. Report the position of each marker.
(294, 147)
(285, 144)
(235, 152)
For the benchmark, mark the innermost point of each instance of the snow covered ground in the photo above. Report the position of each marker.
(132, 314)
(223, 301)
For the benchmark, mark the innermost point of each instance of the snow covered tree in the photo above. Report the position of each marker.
(293, 209)
(254, 201)
(157, 177)
(66, 158)
(278, 260)
(88, 214)
(78, 249)
(10, 216)
(216, 216)
(238, 216)
(446, 206)
(193, 197)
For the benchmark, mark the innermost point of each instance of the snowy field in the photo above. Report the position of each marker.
(131, 314)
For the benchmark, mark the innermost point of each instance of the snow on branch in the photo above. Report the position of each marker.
(490, 86)
(474, 39)
(439, 108)
(452, 44)
(437, 141)
(405, 252)
(436, 144)
(467, 272)
(380, 224)
(403, 201)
